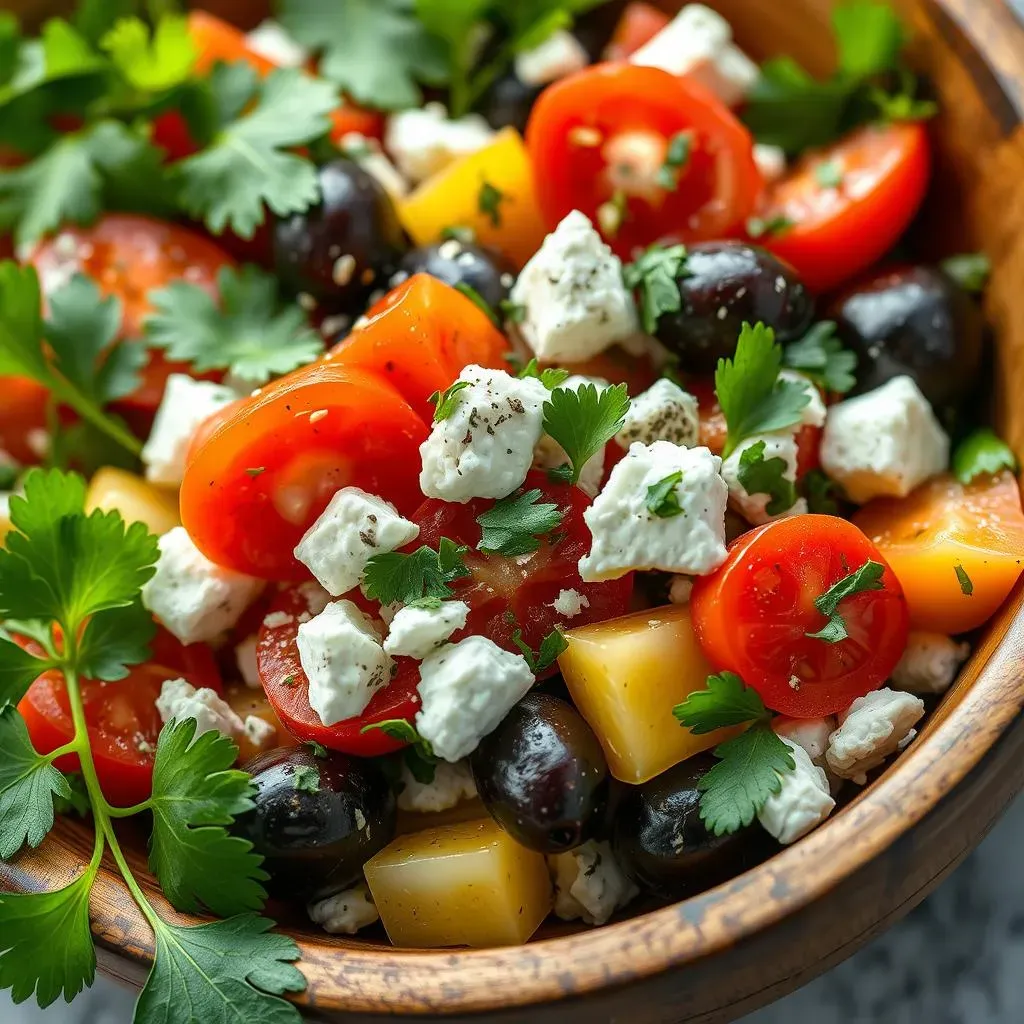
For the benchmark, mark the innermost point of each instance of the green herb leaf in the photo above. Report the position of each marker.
(479, 301)
(662, 500)
(966, 585)
(489, 200)
(394, 576)
(821, 493)
(18, 671)
(655, 275)
(759, 475)
(583, 420)
(306, 778)
(982, 453)
(828, 174)
(726, 701)
(445, 401)
(514, 525)
(970, 270)
(676, 158)
(419, 757)
(550, 648)
(551, 378)
(774, 227)
(514, 312)
(114, 640)
(820, 355)
(869, 37)
(859, 581)
(151, 62)
(77, 801)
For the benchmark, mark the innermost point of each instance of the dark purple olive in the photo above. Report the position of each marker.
(914, 320)
(542, 775)
(725, 284)
(594, 29)
(347, 246)
(455, 262)
(317, 820)
(663, 845)
(508, 103)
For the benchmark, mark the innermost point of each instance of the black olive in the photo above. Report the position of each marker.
(725, 284)
(455, 262)
(594, 29)
(914, 320)
(316, 835)
(508, 102)
(341, 250)
(542, 775)
(663, 845)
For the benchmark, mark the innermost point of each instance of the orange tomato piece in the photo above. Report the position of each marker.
(216, 40)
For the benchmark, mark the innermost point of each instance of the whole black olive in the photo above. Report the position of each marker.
(725, 284)
(316, 820)
(455, 262)
(542, 775)
(341, 250)
(663, 845)
(508, 102)
(914, 320)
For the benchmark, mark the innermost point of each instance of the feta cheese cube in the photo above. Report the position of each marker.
(185, 406)
(576, 304)
(259, 732)
(771, 161)
(731, 76)
(754, 507)
(353, 528)
(370, 155)
(870, 730)
(452, 784)
(628, 536)
(193, 598)
(810, 733)
(680, 589)
(559, 55)
(802, 803)
(423, 141)
(569, 603)
(340, 652)
(272, 41)
(484, 449)
(179, 700)
(467, 689)
(814, 412)
(885, 442)
(589, 883)
(346, 912)
(664, 412)
(415, 632)
(245, 659)
(930, 663)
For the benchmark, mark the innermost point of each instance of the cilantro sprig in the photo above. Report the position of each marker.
(405, 578)
(583, 421)
(859, 581)
(515, 525)
(982, 453)
(551, 647)
(551, 377)
(759, 475)
(662, 499)
(418, 756)
(655, 276)
(820, 355)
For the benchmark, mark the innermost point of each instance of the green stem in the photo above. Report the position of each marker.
(68, 748)
(69, 395)
(127, 812)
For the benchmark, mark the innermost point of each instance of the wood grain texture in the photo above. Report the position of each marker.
(720, 955)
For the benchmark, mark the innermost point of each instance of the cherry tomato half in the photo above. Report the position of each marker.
(754, 614)
(604, 134)
(849, 204)
(195, 663)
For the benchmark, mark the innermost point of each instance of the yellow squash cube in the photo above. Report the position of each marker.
(137, 501)
(459, 885)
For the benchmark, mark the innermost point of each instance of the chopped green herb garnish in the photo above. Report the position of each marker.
(970, 270)
(551, 378)
(514, 525)
(550, 648)
(395, 576)
(662, 499)
(445, 401)
(583, 421)
(982, 453)
(655, 276)
(867, 577)
(759, 475)
(676, 158)
(489, 200)
(820, 355)
(966, 586)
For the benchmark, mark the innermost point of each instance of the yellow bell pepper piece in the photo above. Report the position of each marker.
(136, 500)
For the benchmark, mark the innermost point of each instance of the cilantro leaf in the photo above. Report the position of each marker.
(418, 757)
(859, 581)
(725, 701)
(395, 576)
(18, 669)
(151, 62)
(820, 355)
(306, 778)
(445, 401)
(655, 275)
(662, 500)
(982, 453)
(489, 200)
(248, 332)
(551, 647)
(513, 525)
(583, 420)
(114, 640)
(966, 584)
(676, 158)
(551, 377)
(970, 270)
(822, 494)
(28, 786)
(759, 475)
(773, 227)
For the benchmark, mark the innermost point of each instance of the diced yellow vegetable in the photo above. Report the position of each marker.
(459, 885)
(452, 198)
(418, 821)
(625, 676)
(244, 702)
(136, 500)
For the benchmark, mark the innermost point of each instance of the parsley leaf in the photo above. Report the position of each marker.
(306, 778)
(445, 401)
(655, 274)
(513, 525)
(966, 585)
(725, 701)
(489, 200)
(551, 378)
(550, 648)
(821, 493)
(662, 500)
(970, 270)
(753, 398)
(982, 453)
(584, 420)
(676, 158)
(394, 576)
(418, 757)
(115, 639)
(820, 355)
(759, 475)
(774, 227)
(151, 61)
(18, 671)
(859, 581)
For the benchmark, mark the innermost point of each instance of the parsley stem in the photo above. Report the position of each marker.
(68, 748)
(67, 394)
(127, 812)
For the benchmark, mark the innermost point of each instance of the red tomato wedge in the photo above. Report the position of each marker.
(266, 472)
(196, 663)
(604, 133)
(754, 614)
(838, 231)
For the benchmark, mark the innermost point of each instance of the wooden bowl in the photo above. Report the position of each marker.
(722, 954)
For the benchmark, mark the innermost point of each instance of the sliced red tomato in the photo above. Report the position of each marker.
(350, 117)
(603, 136)
(849, 204)
(754, 616)
(195, 663)
(217, 40)
(639, 24)
(23, 405)
(267, 471)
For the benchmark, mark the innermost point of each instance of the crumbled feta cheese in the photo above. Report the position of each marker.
(272, 41)
(754, 507)
(179, 699)
(186, 405)
(193, 598)
(771, 161)
(484, 449)
(467, 689)
(346, 912)
(664, 412)
(353, 528)
(589, 883)
(276, 620)
(415, 632)
(810, 733)
(814, 412)
(802, 803)
(245, 659)
(569, 603)
(423, 141)
(559, 55)
(259, 732)
(885, 442)
(680, 589)
(368, 153)
(316, 598)
(627, 536)
(572, 292)
(452, 784)
(930, 663)
(870, 730)
(340, 652)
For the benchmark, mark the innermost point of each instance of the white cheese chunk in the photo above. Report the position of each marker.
(340, 652)
(870, 730)
(415, 632)
(353, 528)
(245, 659)
(259, 732)
(680, 589)
(467, 689)
(930, 663)
(754, 507)
(628, 536)
(569, 603)
(186, 405)
(272, 41)
(423, 140)
(346, 912)
(802, 803)
(484, 448)
(193, 598)
(574, 299)
(814, 412)
(559, 55)
(771, 161)
(885, 442)
(664, 412)
(370, 155)
(589, 883)
(179, 700)
(452, 784)
(810, 733)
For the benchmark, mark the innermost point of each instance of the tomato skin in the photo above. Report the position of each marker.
(834, 237)
(752, 616)
(350, 117)
(639, 24)
(217, 40)
(196, 663)
(23, 405)
(717, 189)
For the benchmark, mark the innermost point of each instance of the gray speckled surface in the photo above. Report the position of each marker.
(957, 959)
